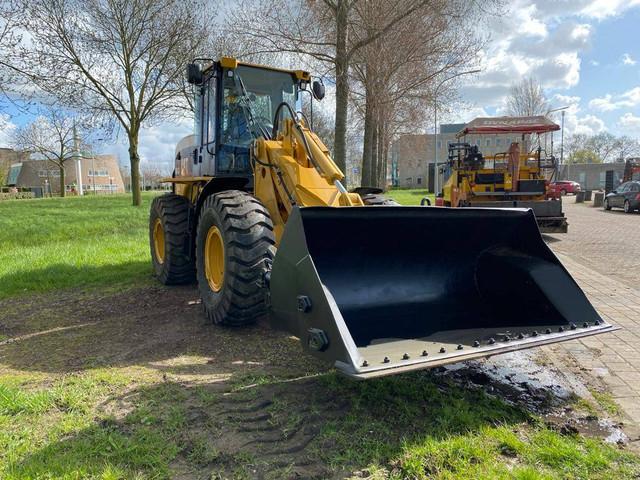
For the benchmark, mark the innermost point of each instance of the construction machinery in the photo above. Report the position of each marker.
(516, 178)
(259, 216)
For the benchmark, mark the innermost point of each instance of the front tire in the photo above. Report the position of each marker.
(169, 240)
(627, 207)
(234, 244)
(606, 204)
(563, 192)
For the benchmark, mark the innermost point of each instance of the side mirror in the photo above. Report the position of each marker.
(318, 90)
(194, 73)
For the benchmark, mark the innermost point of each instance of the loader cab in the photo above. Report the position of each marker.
(234, 104)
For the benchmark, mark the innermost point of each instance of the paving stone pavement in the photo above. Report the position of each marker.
(602, 252)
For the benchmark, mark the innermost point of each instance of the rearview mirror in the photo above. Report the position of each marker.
(318, 90)
(194, 73)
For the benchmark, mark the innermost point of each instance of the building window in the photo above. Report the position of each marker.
(498, 141)
(488, 142)
(508, 142)
(409, 181)
(48, 173)
(98, 173)
(439, 144)
(419, 180)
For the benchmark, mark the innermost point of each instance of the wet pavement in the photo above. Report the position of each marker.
(602, 252)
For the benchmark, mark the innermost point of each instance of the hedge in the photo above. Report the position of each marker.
(16, 195)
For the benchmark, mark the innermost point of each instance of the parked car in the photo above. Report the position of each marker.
(563, 187)
(626, 196)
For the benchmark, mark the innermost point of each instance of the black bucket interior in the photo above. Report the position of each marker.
(404, 272)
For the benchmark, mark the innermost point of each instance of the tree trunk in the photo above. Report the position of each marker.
(62, 186)
(134, 160)
(374, 150)
(342, 87)
(367, 146)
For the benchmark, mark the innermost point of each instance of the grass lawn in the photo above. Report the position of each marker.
(56, 243)
(409, 196)
(131, 383)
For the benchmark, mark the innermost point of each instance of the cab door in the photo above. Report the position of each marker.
(209, 125)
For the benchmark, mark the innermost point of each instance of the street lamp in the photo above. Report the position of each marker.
(561, 109)
(435, 124)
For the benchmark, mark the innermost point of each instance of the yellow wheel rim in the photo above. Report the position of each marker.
(214, 259)
(158, 240)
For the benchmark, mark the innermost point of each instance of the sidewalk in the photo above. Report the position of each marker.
(613, 357)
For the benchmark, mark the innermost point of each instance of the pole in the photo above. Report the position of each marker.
(76, 153)
(435, 121)
(435, 144)
(562, 145)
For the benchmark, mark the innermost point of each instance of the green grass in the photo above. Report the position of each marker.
(409, 196)
(55, 243)
(441, 431)
(123, 422)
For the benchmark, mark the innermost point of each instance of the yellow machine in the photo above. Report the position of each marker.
(514, 178)
(260, 218)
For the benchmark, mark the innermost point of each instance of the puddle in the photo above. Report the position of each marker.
(518, 379)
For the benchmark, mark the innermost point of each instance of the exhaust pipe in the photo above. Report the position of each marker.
(379, 291)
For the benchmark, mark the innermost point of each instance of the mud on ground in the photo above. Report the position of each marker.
(254, 404)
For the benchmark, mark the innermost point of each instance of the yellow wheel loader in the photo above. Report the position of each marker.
(259, 216)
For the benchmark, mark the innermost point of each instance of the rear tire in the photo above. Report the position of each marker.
(234, 244)
(169, 239)
(606, 204)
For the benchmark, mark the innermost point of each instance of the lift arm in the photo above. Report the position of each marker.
(296, 169)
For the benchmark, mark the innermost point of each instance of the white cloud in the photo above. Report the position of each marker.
(594, 63)
(608, 103)
(574, 121)
(627, 60)
(589, 125)
(157, 143)
(630, 122)
(536, 39)
(7, 127)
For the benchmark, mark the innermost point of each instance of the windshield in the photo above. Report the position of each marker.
(251, 97)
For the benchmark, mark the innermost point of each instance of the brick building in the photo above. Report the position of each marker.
(99, 174)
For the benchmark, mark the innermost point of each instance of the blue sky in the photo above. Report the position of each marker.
(585, 53)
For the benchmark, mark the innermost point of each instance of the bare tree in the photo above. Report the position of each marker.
(604, 145)
(527, 99)
(322, 31)
(626, 147)
(9, 40)
(396, 73)
(123, 61)
(49, 137)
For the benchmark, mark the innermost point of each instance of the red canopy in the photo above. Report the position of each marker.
(537, 124)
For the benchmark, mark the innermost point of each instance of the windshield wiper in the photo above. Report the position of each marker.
(247, 104)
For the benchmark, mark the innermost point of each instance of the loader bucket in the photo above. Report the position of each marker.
(382, 290)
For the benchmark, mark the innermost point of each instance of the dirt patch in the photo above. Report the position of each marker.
(248, 403)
